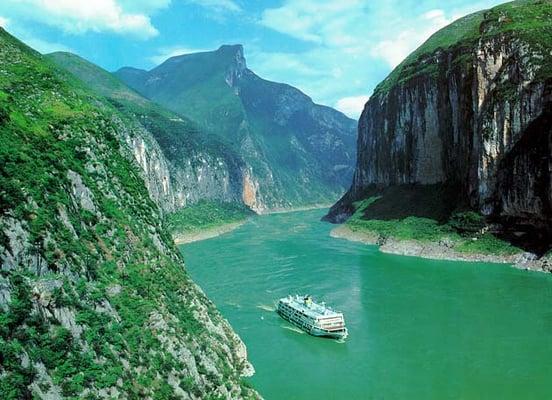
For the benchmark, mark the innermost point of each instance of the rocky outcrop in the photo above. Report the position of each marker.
(474, 115)
(174, 183)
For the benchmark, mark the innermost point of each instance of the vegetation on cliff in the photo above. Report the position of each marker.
(206, 215)
(528, 20)
(197, 162)
(94, 298)
(388, 217)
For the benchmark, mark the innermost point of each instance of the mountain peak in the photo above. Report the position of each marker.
(236, 62)
(236, 49)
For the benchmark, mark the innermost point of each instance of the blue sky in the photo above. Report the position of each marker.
(335, 51)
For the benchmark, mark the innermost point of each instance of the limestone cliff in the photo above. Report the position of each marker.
(180, 164)
(470, 109)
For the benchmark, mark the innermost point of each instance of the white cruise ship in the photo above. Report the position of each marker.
(313, 318)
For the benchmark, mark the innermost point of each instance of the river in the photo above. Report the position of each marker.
(418, 329)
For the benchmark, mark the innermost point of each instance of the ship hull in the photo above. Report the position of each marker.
(334, 335)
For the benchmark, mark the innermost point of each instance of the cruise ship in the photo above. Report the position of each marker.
(313, 318)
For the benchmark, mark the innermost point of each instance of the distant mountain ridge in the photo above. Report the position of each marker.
(295, 152)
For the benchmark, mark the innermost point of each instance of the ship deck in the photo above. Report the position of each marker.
(313, 310)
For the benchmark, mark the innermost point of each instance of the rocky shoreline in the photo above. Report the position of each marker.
(204, 234)
(439, 250)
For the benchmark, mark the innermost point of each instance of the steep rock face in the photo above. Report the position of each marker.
(524, 182)
(295, 152)
(153, 165)
(178, 169)
(179, 164)
(94, 298)
(472, 115)
(174, 182)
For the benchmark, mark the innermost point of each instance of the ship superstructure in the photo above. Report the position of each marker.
(316, 319)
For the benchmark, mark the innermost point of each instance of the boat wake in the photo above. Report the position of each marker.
(266, 308)
(232, 304)
(294, 329)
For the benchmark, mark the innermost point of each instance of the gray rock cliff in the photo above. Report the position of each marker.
(474, 115)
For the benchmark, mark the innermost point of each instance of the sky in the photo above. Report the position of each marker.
(336, 51)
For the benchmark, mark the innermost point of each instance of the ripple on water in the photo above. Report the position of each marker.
(267, 307)
(293, 329)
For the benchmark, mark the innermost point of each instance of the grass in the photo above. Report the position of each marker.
(487, 244)
(462, 229)
(206, 214)
(410, 228)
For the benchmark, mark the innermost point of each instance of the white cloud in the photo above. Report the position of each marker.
(217, 5)
(394, 50)
(4, 22)
(143, 6)
(311, 20)
(79, 16)
(349, 46)
(352, 106)
(167, 52)
(432, 14)
(285, 63)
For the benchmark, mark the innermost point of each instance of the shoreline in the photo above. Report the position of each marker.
(295, 209)
(204, 234)
(437, 250)
(214, 231)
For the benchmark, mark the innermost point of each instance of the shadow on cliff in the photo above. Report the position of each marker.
(524, 191)
(436, 202)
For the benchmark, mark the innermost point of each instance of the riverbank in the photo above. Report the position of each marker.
(209, 219)
(207, 233)
(296, 209)
(440, 250)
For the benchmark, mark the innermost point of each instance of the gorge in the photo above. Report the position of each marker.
(149, 216)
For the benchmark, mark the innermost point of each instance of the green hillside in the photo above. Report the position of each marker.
(176, 135)
(194, 85)
(95, 298)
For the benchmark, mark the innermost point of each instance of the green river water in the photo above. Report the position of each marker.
(418, 329)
